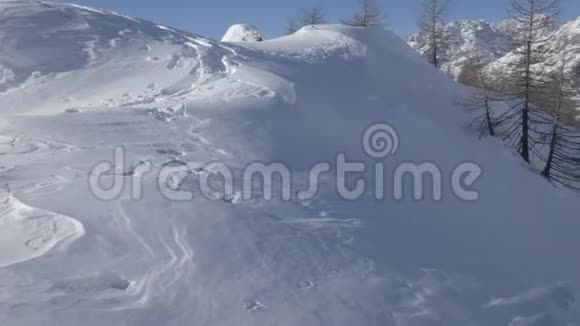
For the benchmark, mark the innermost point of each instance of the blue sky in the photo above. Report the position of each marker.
(213, 17)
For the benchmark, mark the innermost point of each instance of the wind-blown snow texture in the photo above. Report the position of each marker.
(79, 81)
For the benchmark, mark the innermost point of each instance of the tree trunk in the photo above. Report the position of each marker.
(488, 118)
(548, 169)
(525, 141)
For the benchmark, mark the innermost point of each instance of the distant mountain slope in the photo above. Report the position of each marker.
(492, 43)
(463, 40)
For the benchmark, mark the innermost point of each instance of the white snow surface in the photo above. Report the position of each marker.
(243, 33)
(85, 81)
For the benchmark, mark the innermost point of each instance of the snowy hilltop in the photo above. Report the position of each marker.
(243, 33)
(119, 139)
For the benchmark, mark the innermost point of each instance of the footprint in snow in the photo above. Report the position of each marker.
(170, 152)
(306, 285)
(233, 199)
(253, 305)
(306, 203)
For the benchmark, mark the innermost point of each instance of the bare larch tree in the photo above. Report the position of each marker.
(563, 140)
(483, 96)
(430, 23)
(292, 27)
(370, 14)
(533, 17)
(308, 16)
(312, 16)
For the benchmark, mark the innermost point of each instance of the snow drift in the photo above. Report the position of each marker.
(166, 96)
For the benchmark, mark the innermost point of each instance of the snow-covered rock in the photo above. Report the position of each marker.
(166, 107)
(243, 33)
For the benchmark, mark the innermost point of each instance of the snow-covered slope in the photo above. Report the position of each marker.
(243, 33)
(169, 98)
